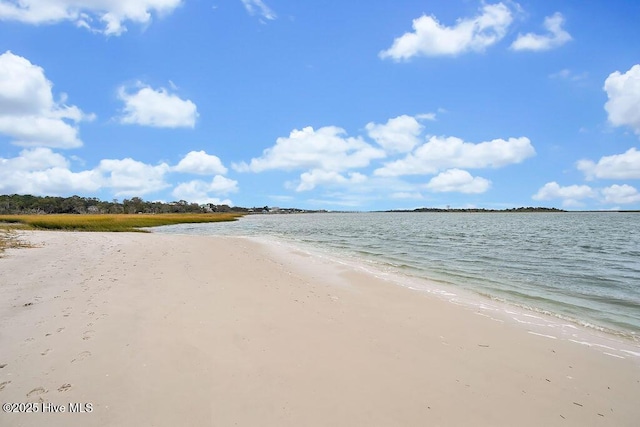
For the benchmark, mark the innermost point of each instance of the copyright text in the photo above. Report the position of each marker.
(47, 407)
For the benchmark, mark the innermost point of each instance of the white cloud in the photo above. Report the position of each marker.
(258, 7)
(128, 177)
(429, 116)
(329, 158)
(112, 14)
(40, 171)
(450, 152)
(34, 159)
(617, 166)
(620, 194)
(198, 191)
(309, 180)
(430, 38)
(570, 195)
(200, 163)
(623, 105)
(157, 108)
(458, 180)
(324, 149)
(555, 37)
(28, 113)
(406, 195)
(222, 185)
(567, 74)
(399, 134)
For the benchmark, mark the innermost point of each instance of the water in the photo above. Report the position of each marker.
(584, 267)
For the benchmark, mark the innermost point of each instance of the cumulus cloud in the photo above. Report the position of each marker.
(258, 7)
(40, 171)
(199, 191)
(441, 153)
(34, 159)
(309, 180)
(157, 108)
(111, 14)
(28, 113)
(200, 163)
(430, 38)
(623, 91)
(458, 180)
(617, 166)
(571, 195)
(556, 36)
(128, 177)
(328, 157)
(620, 194)
(325, 149)
(400, 134)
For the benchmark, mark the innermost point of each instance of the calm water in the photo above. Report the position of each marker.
(580, 266)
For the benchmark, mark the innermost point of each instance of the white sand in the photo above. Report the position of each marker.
(158, 330)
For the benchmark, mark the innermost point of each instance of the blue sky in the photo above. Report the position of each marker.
(338, 105)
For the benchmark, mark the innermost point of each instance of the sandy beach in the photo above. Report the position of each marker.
(132, 329)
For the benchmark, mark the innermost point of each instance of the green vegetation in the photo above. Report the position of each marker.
(26, 204)
(480, 210)
(110, 222)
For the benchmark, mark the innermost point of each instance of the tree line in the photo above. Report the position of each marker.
(28, 204)
(480, 210)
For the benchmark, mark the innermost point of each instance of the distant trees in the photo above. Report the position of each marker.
(28, 204)
(448, 209)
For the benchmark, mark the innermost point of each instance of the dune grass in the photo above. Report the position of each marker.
(10, 239)
(110, 222)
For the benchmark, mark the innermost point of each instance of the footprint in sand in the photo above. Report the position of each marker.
(64, 387)
(60, 330)
(87, 335)
(3, 384)
(81, 356)
(44, 353)
(36, 391)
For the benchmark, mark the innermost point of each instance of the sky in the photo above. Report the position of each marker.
(336, 105)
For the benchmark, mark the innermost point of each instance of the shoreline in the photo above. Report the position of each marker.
(540, 321)
(201, 330)
(581, 283)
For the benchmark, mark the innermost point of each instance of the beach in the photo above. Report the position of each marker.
(150, 329)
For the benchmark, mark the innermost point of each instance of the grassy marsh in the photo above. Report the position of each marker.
(109, 222)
